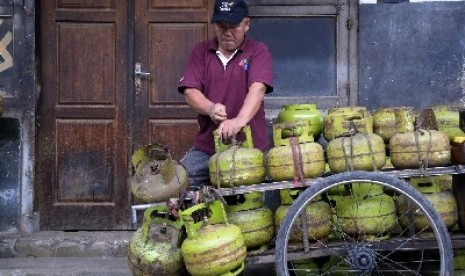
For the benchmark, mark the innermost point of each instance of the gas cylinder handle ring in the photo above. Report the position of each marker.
(352, 128)
(155, 168)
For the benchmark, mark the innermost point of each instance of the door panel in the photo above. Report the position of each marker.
(176, 133)
(82, 149)
(170, 44)
(167, 4)
(165, 32)
(85, 164)
(86, 64)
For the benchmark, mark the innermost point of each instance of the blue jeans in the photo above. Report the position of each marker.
(196, 164)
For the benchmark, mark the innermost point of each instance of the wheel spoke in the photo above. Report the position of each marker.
(393, 244)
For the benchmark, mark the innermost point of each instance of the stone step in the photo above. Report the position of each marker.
(51, 253)
(67, 244)
(97, 266)
(64, 266)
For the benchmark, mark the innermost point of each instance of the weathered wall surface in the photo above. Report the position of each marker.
(9, 129)
(412, 54)
(17, 125)
(9, 174)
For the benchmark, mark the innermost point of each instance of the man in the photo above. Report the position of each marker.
(225, 81)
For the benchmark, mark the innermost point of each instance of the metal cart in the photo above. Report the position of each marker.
(403, 249)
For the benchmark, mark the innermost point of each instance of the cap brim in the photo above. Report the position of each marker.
(231, 18)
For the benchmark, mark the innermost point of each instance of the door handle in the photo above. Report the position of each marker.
(139, 72)
(137, 79)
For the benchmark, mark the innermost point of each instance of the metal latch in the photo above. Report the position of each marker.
(137, 78)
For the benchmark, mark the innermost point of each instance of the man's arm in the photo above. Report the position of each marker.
(252, 103)
(204, 106)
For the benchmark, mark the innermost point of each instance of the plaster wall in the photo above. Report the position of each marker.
(412, 54)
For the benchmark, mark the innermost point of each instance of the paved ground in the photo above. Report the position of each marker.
(64, 266)
(70, 266)
(55, 253)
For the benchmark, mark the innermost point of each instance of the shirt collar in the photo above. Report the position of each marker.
(213, 44)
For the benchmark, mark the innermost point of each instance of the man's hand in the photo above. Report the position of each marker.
(218, 113)
(229, 128)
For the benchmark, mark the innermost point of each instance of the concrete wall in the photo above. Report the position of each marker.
(9, 174)
(411, 54)
(17, 125)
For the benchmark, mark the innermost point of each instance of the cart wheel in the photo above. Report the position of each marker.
(379, 225)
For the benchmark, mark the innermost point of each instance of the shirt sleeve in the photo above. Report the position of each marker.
(193, 72)
(261, 68)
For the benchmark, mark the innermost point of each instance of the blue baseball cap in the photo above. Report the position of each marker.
(232, 11)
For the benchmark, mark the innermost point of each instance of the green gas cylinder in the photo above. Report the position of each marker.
(350, 194)
(420, 148)
(443, 201)
(255, 220)
(358, 152)
(443, 118)
(302, 112)
(154, 249)
(389, 121)
(298, 152)
(317, 214)
(459, 262)
(157, 176)
(367, 217)
(337, 266)
(236, 164)
(306, 267)
(211, 249)
(358, 189)
(340, 120)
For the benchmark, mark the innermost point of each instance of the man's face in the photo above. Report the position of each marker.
(231, 36)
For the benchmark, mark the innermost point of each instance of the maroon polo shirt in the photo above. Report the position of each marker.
(229, 86)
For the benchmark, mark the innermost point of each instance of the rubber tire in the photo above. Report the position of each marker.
(401, 186)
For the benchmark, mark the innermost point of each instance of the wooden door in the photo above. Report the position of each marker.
(94, 111)
(81, 180)
(166, 32)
